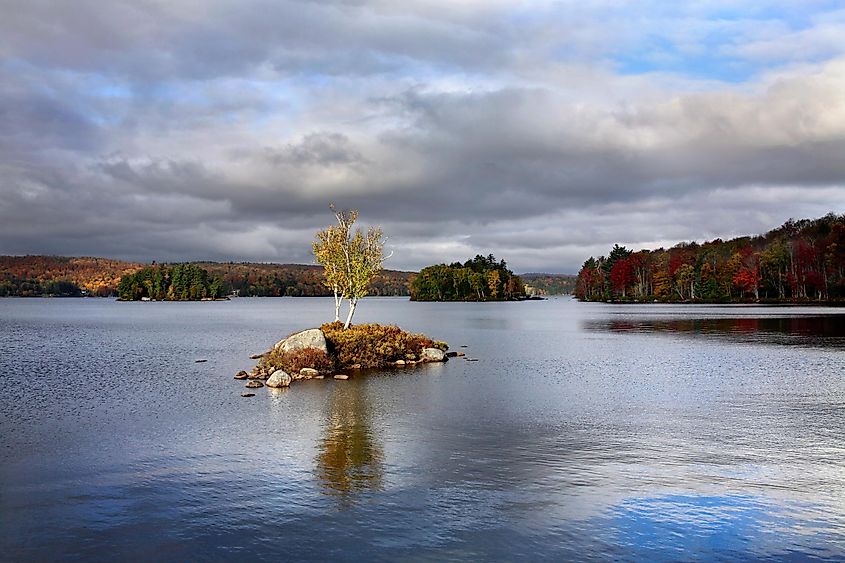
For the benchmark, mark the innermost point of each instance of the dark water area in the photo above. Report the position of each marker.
(583, 431)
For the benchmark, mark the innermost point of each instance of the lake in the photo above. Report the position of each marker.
(584, 431)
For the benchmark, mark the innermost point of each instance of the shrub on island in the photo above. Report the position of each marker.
(374, 345)
(293, 361)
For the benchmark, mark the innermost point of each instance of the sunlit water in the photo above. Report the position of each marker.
(583, 431)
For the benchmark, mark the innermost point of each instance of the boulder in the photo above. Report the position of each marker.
(279, 378)
(254, 384)
(309, 372)
(341, 376)
(432, 355)
(311, 338)
(241, 375)
(399, 363)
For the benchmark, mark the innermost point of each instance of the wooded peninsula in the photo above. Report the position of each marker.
(800, 261)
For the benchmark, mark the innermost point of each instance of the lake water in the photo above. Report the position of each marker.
(583, 431)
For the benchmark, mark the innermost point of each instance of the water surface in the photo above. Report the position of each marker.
(584, 431)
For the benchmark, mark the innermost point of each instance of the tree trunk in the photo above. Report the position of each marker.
(353, 302)
(337, 301)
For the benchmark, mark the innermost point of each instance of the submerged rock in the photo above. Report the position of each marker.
(279, 378)
(311, 338)
(247, 394)
(256, 356)
(199, 361)
(254, 384)
(341, 376)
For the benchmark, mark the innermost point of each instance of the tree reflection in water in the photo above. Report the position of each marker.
(350, 461)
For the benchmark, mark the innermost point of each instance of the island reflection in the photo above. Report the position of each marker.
(350, 460)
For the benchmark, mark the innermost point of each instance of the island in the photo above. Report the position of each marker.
(351, 259)
(180, 282)
(335, 351)
(479, 279)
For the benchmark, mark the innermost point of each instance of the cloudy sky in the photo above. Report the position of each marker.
(542, 132)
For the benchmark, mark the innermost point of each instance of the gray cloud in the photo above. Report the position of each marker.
(159, 131)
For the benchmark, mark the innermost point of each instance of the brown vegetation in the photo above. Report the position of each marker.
(374, 345)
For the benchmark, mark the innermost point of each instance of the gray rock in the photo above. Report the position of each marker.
(279, 378)
(309, 372)
(311, 338)
(432, 355)
(254, 384)
(341, 376)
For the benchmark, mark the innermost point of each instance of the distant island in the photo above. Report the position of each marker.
(800, 261)
(182, 282)
(479, 279)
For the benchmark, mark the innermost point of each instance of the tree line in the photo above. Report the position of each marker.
(35, 276)
(479, 279)
(800, 261)
(181, 282)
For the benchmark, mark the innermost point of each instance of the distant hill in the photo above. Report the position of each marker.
(550, 284)
(28, 276)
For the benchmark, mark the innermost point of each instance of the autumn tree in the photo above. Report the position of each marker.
(350, 260)
(329, 251)
(363, 259)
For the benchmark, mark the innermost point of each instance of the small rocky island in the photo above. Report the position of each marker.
(350, 260)
(332, 351)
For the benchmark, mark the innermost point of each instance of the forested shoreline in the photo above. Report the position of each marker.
(801, 261)
(60, 276)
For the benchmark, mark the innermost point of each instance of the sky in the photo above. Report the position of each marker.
(541, 132)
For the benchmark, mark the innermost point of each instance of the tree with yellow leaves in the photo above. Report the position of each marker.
(350, 260)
